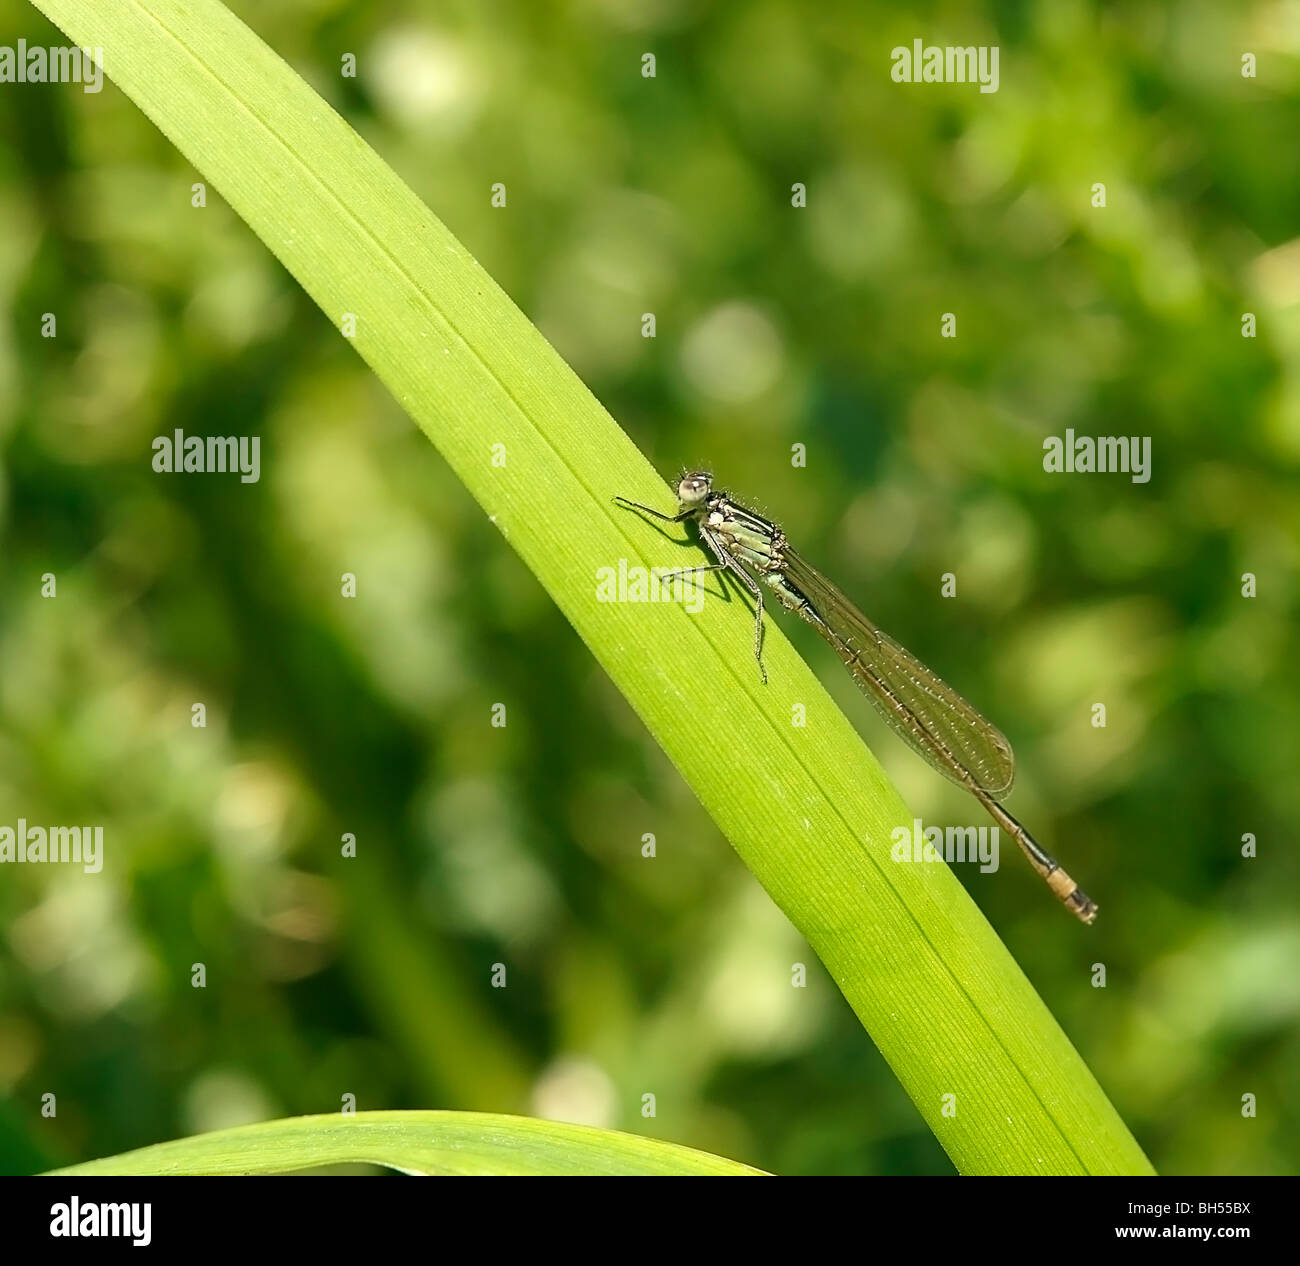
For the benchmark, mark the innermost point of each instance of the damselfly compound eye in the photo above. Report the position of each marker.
(694, 487)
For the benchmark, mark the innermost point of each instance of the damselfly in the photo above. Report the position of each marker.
(932, 717)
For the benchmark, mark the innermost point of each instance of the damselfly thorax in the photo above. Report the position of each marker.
(760, 545)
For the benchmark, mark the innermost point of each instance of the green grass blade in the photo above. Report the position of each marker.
(416, 1143)
(808, 809)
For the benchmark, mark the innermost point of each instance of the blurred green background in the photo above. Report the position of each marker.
(775, 326)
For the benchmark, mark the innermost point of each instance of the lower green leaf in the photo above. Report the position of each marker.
(415, 1143)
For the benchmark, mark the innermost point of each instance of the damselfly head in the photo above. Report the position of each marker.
(694, 486)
